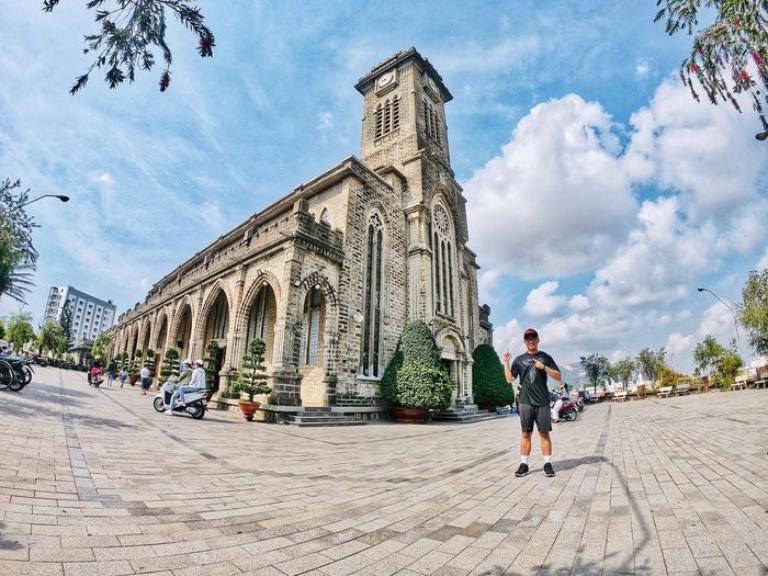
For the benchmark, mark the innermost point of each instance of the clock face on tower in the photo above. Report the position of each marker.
(386, 79)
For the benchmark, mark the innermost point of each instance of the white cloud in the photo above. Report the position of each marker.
(542, 301)
(578, 303)
(557, 199)
(508, 337)
(642, 67)
(325, 121)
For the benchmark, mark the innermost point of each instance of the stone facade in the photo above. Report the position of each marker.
(330, 274)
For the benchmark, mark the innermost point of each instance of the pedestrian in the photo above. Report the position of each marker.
(111, 370)
(533, 368)
(122, 376)
(144, 374)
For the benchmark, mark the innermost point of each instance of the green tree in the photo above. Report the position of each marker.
(723, 51)
(130, 31)
(100, 345)
(20, 330)
(488, 382)
(596, 369)
(2, 329)
(753, 310)
(649, 362)
(415, 377)
(707, 355)
(51, 338)
(18, 256)
(66, 325)
(625, 369)
(729, 365)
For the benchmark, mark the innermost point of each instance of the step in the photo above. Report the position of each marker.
(466, 418)
(319, 424)
(323, 420)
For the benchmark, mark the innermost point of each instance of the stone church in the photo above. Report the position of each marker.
(329, 275)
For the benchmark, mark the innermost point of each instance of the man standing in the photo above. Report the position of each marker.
(533, 368)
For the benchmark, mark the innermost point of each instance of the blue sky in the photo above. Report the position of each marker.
(599, 194)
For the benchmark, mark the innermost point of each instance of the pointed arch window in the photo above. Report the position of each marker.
(387, 117)
(442, 257)
(262, 318)
(374, 270)
(218, 319)
(314, 325)
(432, 123)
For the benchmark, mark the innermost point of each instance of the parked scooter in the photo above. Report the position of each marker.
(568, 411)
(15, 372)
(194, 402)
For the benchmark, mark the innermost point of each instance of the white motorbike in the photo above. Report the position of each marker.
(194, 402)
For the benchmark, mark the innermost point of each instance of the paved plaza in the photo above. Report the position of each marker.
(95, 482)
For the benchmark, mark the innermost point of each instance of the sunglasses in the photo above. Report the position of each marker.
(531, 338)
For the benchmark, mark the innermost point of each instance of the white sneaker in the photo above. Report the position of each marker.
(169, 412)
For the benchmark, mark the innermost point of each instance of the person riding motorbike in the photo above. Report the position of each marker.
(557, 399)
(197, 382)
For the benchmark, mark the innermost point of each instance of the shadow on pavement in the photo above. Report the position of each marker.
(23, 410)
(8, 544)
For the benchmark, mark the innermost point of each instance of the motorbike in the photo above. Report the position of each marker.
(579, 401)
(194, 402)
(15, 372)
(568, 411)
(95, 376)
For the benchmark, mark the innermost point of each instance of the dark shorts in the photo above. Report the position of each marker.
(145, 383)
(539, 414)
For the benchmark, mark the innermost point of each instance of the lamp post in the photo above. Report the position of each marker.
(730, 308)
(61, 197)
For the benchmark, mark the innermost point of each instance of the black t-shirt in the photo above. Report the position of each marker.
(533, 382)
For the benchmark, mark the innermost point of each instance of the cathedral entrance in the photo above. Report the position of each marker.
(215, 337)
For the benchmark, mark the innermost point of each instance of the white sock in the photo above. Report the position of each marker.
(524, 459)
(547, 459)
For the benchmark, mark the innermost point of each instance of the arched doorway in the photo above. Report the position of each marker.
(262, 316)
(162, 335)
(453, 358)
(183, 336)
(216, 328)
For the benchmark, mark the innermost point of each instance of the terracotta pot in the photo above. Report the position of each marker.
(208, 394)
(133, 378)
(406, 415)
(248, 409)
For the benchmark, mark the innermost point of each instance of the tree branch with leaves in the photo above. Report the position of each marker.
(724, 52)
(131, 30)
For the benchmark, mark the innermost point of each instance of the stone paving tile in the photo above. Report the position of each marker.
(95, 482)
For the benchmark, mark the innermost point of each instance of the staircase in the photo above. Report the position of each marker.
(316, 417)
(465, 414)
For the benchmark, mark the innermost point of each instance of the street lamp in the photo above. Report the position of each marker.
(727, 305)
(61, 197)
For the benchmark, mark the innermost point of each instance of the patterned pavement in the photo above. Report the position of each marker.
(95, 482)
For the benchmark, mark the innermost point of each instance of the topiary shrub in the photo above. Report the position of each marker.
(488, 382)
(415, 377)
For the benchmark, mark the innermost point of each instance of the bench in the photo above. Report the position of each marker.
(739, 385)
(620, 396)
(683, 389)
(664, 392)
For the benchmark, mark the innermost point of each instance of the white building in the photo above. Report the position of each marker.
(90, 315)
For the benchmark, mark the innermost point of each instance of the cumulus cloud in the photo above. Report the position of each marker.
(557, 199)
(543, 301)
(683, 195)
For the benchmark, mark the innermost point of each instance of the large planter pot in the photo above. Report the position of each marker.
(248, 409)
(133, 378)
(209, 394)
(406, 415)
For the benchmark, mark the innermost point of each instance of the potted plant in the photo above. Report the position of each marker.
(133, 369)
(415, 381)
(252, 381)
(211, 363)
